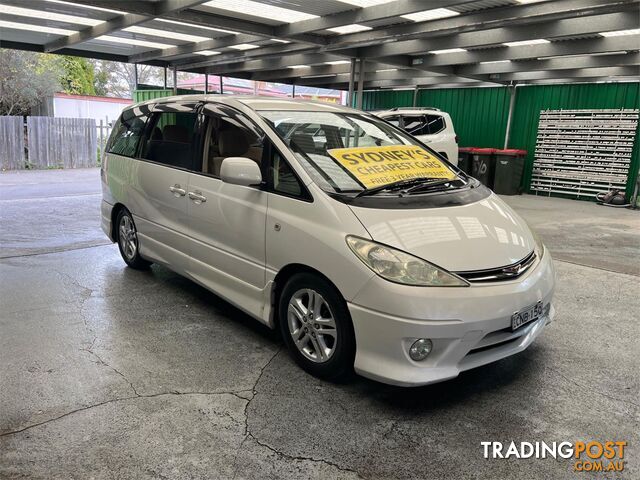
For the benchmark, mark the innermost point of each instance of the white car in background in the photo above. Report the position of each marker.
(429, 125)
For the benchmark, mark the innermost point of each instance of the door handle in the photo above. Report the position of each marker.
(177, 191)
(197, 197)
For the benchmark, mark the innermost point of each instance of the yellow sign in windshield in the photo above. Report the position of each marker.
(377, 166)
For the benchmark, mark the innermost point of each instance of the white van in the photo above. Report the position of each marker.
(366, 250)
(429, 125)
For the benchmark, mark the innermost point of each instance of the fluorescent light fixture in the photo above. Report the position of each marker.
(262, 10)
(529, 1)
(447, 50)
(43, 14)
(387, 70)
(280, 40)
(165, 34)
(353, 28)
(537, 41)
(432, 14)
(299, 66)
(366, 3)
(319, 75)
(620, 33)
(35, 28)
(495, 61)
(207, 53)
(244, 46)
(337, 62)
(193, 25)
(133, 41)
(75, 5)
(600, 54)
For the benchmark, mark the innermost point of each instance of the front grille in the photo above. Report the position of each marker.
(508, 272)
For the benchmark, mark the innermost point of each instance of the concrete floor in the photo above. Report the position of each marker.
(106, 372)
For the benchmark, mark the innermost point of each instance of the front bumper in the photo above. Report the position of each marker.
(469, 326)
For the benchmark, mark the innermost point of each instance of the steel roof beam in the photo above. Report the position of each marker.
(484, 20)
(577, 47)
(118, 23)
(362, 15)
(551, 64)
(269, 63)
(574, 73)
(570, 27)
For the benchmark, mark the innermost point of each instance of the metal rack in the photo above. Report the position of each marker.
(583, 152)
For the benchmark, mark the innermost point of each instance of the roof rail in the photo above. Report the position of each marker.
(394, 109)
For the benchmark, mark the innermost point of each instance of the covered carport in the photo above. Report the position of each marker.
(107, 372)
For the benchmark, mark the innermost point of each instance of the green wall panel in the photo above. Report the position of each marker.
(144, 94)
(531, 99)
(385, 99)
(479, 114)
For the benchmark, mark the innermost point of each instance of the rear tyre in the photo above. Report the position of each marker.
(127, 238)
(316, 327)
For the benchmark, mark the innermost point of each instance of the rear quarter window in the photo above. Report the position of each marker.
(127, 133)
(435, 123)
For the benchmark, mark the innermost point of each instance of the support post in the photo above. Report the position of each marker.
(360, 83)
(206, 84)
(293, 91)
(221, 88)
(164, 84)
(352, 76)
(175, 80)
(415, 96)
(135, 76)
(512, 102)
(101, 139)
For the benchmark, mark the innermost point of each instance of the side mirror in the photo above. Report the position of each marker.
(240, 171)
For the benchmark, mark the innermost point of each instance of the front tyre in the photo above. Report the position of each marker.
(127, 238)
(316, 326)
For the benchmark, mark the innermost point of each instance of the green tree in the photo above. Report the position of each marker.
(26, 78)
(78, 76)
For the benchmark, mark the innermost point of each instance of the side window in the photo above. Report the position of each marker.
(281, 178)
(127, 133)
(230, 135)
(393, 120)
(415, 124)
(170, 139)
(435, 123)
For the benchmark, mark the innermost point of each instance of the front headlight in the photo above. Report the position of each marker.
(400, 267)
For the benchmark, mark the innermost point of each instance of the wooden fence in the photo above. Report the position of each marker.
(61, 142)
(11, 143)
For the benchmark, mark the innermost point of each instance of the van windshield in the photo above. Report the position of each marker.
(350, 152)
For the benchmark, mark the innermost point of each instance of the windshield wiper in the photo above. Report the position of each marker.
(426, 185)
(411, 182)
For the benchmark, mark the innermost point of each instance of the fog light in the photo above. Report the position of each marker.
(420, 349)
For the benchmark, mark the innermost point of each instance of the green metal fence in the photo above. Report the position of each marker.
(144, 93)
(480, 114)
(531, 99)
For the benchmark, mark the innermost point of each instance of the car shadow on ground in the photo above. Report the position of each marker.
(490, 378)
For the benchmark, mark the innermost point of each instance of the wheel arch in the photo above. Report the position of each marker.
(280, 281)
(115, 211)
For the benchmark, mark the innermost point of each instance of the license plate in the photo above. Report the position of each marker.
(526, 315)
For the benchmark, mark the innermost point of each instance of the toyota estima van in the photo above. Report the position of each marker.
(363, 246)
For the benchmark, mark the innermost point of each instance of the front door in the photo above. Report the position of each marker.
(227, 222)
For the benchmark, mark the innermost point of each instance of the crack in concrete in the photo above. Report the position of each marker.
(102, 362)
(120, 399)
(588, 389)
(248, 434)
